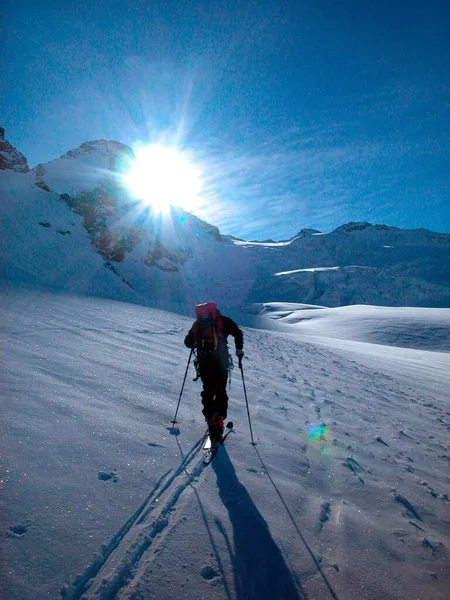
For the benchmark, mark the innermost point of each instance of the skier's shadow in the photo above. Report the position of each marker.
(260, 571)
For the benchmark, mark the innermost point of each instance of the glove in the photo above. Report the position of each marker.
(189, 342)
(240, 353)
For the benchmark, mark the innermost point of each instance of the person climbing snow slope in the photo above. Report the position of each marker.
(208, 335)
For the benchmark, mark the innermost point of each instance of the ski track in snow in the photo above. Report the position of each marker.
(346, 492)
(121, 557)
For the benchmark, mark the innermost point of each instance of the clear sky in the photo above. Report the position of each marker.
(301, 114)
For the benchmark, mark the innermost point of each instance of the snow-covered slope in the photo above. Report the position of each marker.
(77, 208)
(88, 167)
(106, 244)
(345, 495)
(355, 264)
(419, 328)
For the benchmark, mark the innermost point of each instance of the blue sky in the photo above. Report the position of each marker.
(301, 114)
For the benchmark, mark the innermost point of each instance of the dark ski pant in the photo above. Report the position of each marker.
(214, 376)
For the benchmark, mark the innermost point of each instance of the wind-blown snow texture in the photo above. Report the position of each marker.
(345, 495)
(100, 498)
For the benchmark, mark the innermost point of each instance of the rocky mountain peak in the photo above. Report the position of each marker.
(116, 153)
(10, 157)
(361, 226)
(353, 226)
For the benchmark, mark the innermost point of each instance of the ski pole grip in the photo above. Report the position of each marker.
(240, 362)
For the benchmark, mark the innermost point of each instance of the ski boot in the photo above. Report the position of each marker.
(215, 427)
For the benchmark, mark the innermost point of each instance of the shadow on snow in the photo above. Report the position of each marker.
(260, 570)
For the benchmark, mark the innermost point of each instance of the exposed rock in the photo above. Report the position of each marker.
(360, 226)
(307, 232)
(39, 172)
(10, 158)
(352, 226)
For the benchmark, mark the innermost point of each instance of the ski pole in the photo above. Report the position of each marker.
(246, 400)
(182, 388)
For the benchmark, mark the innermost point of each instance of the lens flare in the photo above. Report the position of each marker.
(317, 433)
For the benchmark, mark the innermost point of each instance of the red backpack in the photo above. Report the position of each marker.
(208, 329)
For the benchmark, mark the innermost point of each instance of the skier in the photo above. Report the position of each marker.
(209, 335)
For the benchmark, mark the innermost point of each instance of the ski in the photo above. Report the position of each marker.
(212, 446)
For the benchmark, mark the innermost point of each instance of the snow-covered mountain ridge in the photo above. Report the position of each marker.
(109, 245)
(10, 158)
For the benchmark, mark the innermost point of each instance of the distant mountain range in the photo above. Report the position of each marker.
(72, 225)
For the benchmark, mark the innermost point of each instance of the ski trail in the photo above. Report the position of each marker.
(79, 585)
(110, 572)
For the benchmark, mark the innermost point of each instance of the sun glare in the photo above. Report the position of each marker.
(163, 176)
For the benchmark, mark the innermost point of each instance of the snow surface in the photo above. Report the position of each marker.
(265, 244)
(345, 495)
(310, 270)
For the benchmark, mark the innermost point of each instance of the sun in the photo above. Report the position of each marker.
(163, 176)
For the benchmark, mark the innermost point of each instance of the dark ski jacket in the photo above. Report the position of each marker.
(229, 328)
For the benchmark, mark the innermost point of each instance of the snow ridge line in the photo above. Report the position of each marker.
(131, 544)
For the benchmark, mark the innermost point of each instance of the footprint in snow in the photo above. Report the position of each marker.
(380, 440)
(209, 574)
(411, 511)
(255, 471)
(324, 515)
(103, 476)
(353, 466)
(17, 531)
